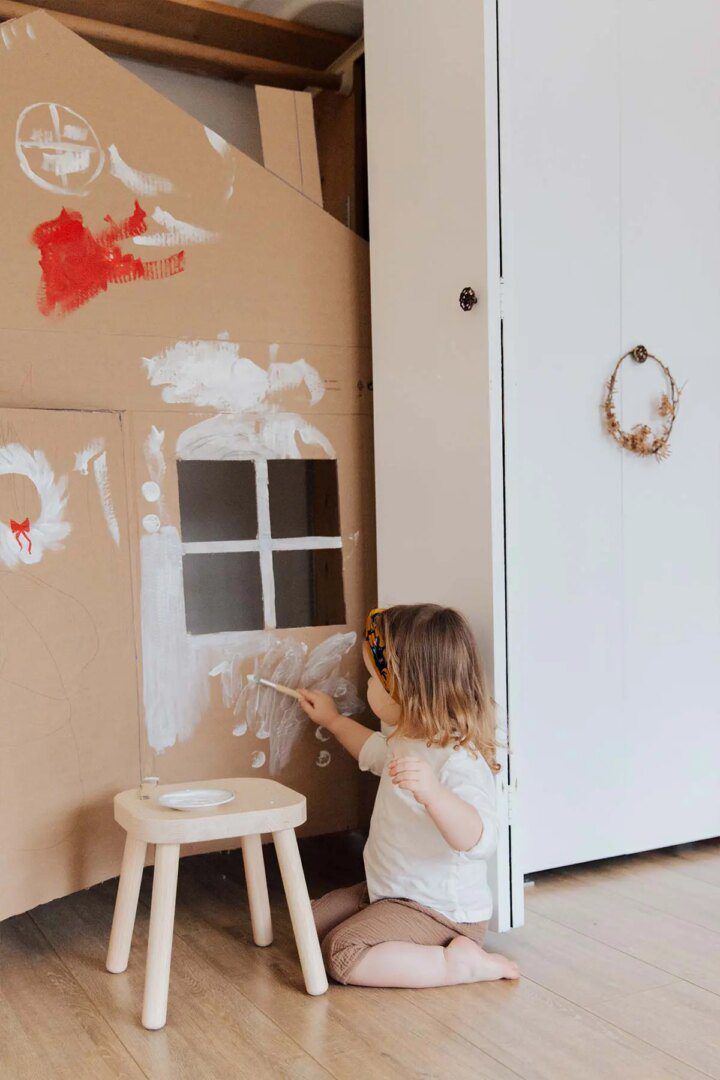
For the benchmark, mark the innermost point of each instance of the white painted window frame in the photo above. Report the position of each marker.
(265, 545)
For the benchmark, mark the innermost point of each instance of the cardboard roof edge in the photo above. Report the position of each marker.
(43, 23)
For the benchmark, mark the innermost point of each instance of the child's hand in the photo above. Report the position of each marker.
(319, 707)
(415, 775)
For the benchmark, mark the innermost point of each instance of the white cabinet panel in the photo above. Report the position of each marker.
(611, 223)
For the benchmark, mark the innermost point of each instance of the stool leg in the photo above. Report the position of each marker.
(257, 890)
(301, 916)
(126, 903)
(162, 917)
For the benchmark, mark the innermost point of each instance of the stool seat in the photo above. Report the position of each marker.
(260, 806)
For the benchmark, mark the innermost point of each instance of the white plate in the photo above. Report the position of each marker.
(195, 798)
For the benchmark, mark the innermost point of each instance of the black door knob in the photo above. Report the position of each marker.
(468, 298)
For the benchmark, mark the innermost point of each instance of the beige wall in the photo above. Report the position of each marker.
(427, 227)
(436, 368)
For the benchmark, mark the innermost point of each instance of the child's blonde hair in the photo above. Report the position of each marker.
(437, 679)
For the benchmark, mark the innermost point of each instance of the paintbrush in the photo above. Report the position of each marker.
(275, 686)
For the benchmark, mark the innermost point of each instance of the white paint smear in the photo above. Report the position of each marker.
(154, 455)
(323, 759)
(214, 373)
(75, 131)
(175, 686)
(265, 712)
(219, 145)
(177, 233)
(48, 531)
(231, 671)
(322, 734)
(224, 149)
(67, 162)
(29, 31)
(151, 523)
(84, 457)
(100, 471)
(150, 491)
(140, 183)
(257, 760)
(234, 438)
(156, 467)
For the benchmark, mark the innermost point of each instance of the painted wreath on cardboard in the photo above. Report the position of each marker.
(23, 541)
(641, 439)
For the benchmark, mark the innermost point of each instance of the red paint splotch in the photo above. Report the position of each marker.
(77, 264)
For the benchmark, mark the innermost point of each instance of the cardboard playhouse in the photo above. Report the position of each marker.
(185, 464)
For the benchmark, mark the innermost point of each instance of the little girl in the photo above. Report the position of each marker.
(421, 917)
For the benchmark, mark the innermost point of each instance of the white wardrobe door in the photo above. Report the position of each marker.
(611, 227)
(670, 196)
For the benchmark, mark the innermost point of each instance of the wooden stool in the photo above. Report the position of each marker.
(260, 806)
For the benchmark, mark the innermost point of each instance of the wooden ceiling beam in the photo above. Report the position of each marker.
(220, 26)
(185, 55)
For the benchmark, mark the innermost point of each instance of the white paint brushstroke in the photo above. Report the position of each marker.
(75, 132)
(140, 183)
(49, 529)
(177, 233)
(84, 457)
(280, 543)
(151, 523)
(257, 759)
(226, 437)
(214, 373)
(29, 31)
(68, 161)
(175, 686)
(326, 657)
(263, 711)
(224, 149)
(287, 376)
(323, 759)
(267, 573)
(154, 455)
(102, 480)
(220, 146)
(156, 467)
(322, 734)
(3, 32)
(231, 671)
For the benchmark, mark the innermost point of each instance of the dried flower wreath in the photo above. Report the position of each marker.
(642, 439)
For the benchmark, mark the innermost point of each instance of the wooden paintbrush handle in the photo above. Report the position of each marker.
(287, 690)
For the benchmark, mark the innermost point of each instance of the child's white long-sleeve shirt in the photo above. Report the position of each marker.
(406, 856)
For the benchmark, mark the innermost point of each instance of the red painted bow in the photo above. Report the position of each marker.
(22, 528)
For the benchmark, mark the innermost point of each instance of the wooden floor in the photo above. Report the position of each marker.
(621, 979)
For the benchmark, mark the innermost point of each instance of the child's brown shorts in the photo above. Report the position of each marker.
(348, 925)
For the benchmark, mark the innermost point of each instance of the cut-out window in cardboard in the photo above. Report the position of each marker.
(261, 544)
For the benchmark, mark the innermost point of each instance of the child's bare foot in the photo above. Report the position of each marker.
(468, 962)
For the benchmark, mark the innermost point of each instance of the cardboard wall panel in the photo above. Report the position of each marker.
(210, 312)
(289, 144)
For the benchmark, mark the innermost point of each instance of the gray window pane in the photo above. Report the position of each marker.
(223, 591)
(309, 588)
(303, 498)
(217, 500)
